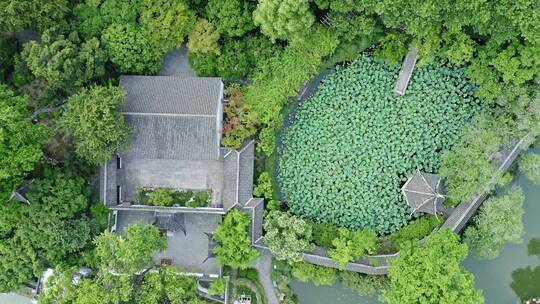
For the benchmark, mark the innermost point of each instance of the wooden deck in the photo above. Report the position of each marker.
(406, 72)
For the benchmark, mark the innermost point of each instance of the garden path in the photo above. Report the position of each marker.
(264, 267)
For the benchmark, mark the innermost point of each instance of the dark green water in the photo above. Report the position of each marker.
(493, 277)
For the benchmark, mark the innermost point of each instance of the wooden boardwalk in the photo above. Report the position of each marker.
(406, 72)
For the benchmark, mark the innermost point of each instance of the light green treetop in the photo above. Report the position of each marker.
(234, 244)
(92, 117)
(432, 273)
(283, 19)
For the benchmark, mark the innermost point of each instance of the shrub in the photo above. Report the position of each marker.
(318, 274)
(249, 273)
(324, 234)
(161, 197)
(287, 236)
(200, 199)
(414, 231)
(354, 142)
(529, 164)
(100, 215)
(499, 221)
(264, 187)
(237, 125)
(217, 287)
(352, 245)
(364, 285)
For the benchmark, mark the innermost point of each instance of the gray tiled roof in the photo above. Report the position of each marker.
(108, 176)
(173, 117)
(424, 192)
(245, 178)
(173, 137)
(171, 95)
(238, 175)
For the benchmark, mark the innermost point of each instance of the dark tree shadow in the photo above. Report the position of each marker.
(526, 281)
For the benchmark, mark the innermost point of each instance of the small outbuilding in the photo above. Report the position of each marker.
(424, 192)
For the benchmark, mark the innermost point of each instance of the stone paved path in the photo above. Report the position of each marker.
(264, 266)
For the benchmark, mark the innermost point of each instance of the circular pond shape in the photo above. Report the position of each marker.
(354, 142)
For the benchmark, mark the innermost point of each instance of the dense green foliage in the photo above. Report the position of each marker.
(231, 17)
(166, 22)
(64, 62)
(499, 221)
(414, 231)
(92, 117)
(168, 197)
(136, 34)
(467, 167)
(287, 236)
(53, 229)
(354, 142)
(317, 274)
(20, 141)
(128, 50)
(280, 78)
(18, 15)
(352, 245)
(237, 59)
(432, 273)
(132, 253)
(234, 244)
(204, 38)
(283, 19)
(217, 287)
(529, 164)
(364, 285)
(8, 49)
(264, 187)
(165, 284)
(324, 234)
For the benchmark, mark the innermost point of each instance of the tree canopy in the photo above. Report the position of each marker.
(63, 62)
(287, 236)
(231, 17)
(18, 15)
(53, 229)
(351, 245)
(20, 141)
(432, 273)
(499, 221)
(204, 38)
(92, 117)
(132, 253)
(234, 244)
(283, 19)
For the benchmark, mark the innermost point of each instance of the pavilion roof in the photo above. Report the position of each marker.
(424, 192)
